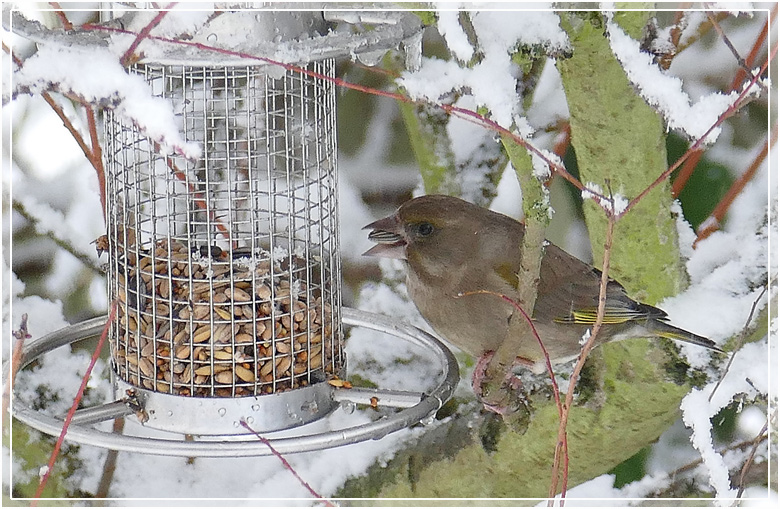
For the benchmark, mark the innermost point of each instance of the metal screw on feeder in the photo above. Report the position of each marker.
(227, 267)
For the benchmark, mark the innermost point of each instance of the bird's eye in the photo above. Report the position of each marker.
(424, 229)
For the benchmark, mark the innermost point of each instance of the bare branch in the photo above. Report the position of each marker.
(713, 223)
(21, 336)
(741, 338)
(749, 462)
(74, 406)
(287, 464)
(127, 58)
(64, 244)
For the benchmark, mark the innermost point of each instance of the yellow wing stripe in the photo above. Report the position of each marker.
(611, 316)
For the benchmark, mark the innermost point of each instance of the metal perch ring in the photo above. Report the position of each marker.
(416, 406)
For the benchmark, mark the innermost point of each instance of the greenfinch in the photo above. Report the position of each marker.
(453, 248)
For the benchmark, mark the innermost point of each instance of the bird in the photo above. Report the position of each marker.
(454, 249)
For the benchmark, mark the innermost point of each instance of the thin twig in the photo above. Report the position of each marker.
(586, 348)
(88, 261)
(21, 336)
(713, 222)
(466, 114)
(66, 24)
(740, 61)
(462, 113)
(127, 58)
(741, 338)
(286, 464)
(749, 462)
(74, 406)
(741, 73)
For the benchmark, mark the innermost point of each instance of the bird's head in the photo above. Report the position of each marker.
(433, 233)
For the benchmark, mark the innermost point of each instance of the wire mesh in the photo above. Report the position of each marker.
(226, 268)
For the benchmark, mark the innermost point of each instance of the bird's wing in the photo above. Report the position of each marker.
(569, 293)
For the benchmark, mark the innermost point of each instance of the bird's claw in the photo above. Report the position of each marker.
(478, 378)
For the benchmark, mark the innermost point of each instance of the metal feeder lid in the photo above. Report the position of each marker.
(250, 37)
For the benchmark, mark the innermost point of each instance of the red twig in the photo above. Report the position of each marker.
(96, 157)
(286, 464)
(66, 24)
(739, 78)
(561, 446)
(127, 58)
(469, 115)
(74, 406)
(713, 223)
(21, 336)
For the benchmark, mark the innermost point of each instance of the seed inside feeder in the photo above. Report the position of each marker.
(200, 323)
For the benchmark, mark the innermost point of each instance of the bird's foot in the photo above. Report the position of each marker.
(478, 378)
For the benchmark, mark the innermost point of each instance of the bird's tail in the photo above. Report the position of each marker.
(664, 330)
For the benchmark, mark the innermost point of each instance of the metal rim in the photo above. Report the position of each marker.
(390, 29)
(248, 445)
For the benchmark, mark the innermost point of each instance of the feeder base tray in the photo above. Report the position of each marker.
(415, 407)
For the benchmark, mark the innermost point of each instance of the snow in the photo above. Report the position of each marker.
(698, 409)
(492, 80)
(457, 40)
(549, 102)
(497, 30)
(95, 76)
(541, 165)
(617, 204)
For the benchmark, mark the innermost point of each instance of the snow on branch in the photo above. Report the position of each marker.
(665, 92)
(491, 81)
(698, 409)
(94, 76)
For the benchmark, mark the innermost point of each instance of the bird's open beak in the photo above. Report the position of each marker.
(388, 235)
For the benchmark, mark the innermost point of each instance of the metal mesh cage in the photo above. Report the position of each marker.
(226, 269)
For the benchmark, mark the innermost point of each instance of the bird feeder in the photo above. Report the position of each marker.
(225, 268)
